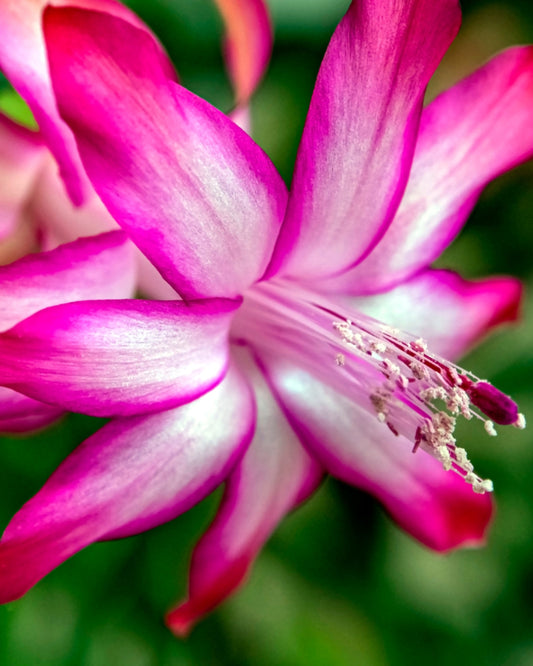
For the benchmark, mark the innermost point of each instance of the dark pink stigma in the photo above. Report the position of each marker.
(493, 403)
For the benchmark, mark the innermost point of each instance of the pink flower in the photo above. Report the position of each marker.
(35, 210)
(286, 355)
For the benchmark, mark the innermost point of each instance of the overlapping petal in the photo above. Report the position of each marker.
(90, 268)
(274, 475)
(21, 153)
(450, 313)
(360, 133)
(196, 194)
(19, 414)
(23, 60)
(434, 506)
(109, 358)
(469, 135)
(135, 473)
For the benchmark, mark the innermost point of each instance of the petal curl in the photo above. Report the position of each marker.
(133, 474)
(274, 475)
(23, 61)
(469, 135)
(195, 193)
(89, 268)
(358, 141)
(436, 507)
(117, 358)
(450, 313)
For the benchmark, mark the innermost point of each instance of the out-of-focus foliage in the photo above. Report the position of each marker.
(338, 585)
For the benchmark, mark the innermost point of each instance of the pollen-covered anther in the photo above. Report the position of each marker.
(340, 359)
(380, 400)
(418, 345)
(419, 370)
(520, 422)
(489, 428)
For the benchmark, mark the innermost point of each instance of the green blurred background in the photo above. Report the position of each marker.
(338, 584)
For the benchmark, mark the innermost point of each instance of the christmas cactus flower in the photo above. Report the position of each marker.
(310, 334)
(35, 210)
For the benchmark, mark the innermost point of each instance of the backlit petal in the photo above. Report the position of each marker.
(89, 268)
(450, 313)
(436, 507)
(133, 474)
(358, 141)
(274, 475)
(469, 135)
(109, 358)
(23, 61)
(195, 193)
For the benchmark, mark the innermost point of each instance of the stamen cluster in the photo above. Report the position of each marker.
(418, 384)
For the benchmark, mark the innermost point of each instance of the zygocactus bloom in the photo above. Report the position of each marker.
(287, 354)
(35, 210)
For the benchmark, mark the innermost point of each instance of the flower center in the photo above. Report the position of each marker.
(388, 372)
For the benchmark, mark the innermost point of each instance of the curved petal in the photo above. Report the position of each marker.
(450, 313)
(21, 154)
(132, 475)
(117, 358)
(89, 268)
(195, 193)
(469, 135)
(18, 413)
(248, 43)
(274, 475)
(358, 142)
(23, 61)
(436, 507)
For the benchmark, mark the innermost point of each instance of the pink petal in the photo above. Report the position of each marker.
(134, 474)
(450, 313)
(360, 133)
(248, 43)
(197, 196)
(23, 61)
(59, 221)
(90, 268)
(18, 413)
(469, 135)
(117, 358)
(273, 476)
(436, 507)
(21, 155)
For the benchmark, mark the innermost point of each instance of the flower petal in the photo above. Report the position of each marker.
(23, 61)
(89, 268)
(248, 43)
(436, 507)
(133, 474)
(450, 313)
(21, 154)
(18, 413)
(358, 141)
(58, 221)
(109, 358)
(274, 475)
(196, 194)
(469, 135)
